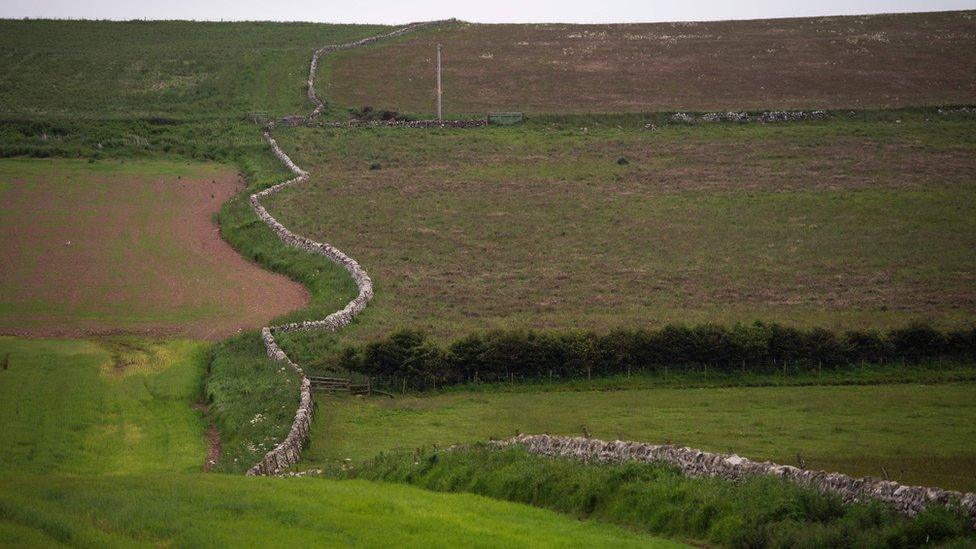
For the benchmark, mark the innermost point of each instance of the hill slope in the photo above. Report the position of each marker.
(824, 62)
(158, 68)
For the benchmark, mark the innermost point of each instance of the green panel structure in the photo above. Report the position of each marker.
(505, 118)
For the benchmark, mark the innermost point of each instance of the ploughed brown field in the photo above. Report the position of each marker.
(809, 63)
(126, 247)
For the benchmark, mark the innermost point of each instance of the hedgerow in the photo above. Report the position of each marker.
(410, 358)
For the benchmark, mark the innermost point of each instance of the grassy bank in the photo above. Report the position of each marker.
(217, 510)
(760, 512)
(920, 433)
(253, 400)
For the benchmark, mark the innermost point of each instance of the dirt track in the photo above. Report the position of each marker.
(95, 251)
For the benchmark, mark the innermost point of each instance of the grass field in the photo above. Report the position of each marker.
(119, 406)
(923, 434)
(814, 224)
(173, 69)
(217, 510)
(127, 246)
(822, 62)
(111, 427)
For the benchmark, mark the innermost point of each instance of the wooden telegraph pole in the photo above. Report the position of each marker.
(438, 82)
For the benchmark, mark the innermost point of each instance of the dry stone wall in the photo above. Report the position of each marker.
(289, 451)
(460, 123)
(733, 116)
(909, 500)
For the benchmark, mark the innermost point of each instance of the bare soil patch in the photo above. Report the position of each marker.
(108, 248)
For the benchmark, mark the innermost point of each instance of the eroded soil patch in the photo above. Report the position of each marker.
(124, 247)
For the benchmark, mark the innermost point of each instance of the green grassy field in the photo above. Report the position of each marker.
(922, 433)
(118, 406)
(172, 69)
(819, 62)
(112, 428)
(824, 224)
(217, 510)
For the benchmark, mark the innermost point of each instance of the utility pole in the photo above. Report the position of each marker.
(438, 82)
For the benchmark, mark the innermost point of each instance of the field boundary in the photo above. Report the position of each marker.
(289, 451)
(909, 500)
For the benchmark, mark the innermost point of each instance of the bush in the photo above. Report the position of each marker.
(918, 341)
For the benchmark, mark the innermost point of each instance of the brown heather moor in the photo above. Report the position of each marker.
(879, 61)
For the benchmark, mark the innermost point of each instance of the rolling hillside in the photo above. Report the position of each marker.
(812, 63)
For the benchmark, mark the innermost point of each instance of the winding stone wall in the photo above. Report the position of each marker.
(909, 500)
(289, 451)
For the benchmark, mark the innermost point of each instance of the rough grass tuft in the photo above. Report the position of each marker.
(759, 512)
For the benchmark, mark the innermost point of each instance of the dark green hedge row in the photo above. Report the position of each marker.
(415, 360)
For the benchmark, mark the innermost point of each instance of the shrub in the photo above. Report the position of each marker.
(866, 346)
(917, 341)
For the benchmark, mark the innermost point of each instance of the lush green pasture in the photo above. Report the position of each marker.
(217, 510)
(923, 434)
(117, 406)
(759, 512)
(171, 69)
(827, 224)
(111, 426)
